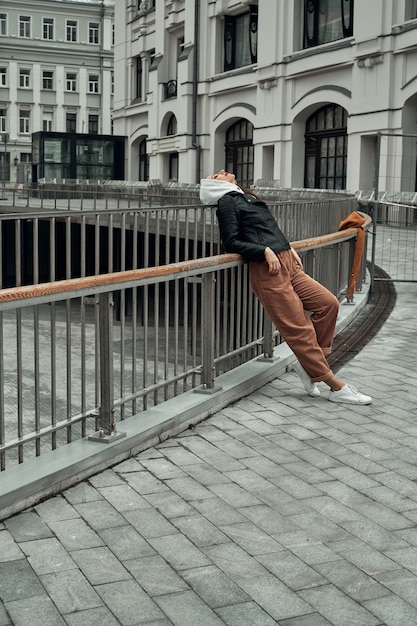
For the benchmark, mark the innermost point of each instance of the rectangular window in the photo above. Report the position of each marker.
(47, 80)
(93, 124)
(3, 119)
(48, 28)
(71, 30)
(138, 79)
(93, 32)
(3, 76)
(24, 26)
(3, 24)
(24, 78)
(47, 122)
(71, 82)
(71, 123)
(327, 20)
(93, 86)
(24, 122)
(241, 39)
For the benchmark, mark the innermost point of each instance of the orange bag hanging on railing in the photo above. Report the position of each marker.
(354, 220)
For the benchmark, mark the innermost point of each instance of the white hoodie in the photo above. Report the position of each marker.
(211, 190)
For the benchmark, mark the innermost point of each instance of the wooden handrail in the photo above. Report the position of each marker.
(172, 269)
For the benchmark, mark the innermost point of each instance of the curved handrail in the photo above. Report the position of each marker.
(151, 274)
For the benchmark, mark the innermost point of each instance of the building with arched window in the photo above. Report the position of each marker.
(293, 93)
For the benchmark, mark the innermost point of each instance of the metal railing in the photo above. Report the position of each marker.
(70, 367)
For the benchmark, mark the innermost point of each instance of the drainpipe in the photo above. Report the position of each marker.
(100, 117)
(195, 143)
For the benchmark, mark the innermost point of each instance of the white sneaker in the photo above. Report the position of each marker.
(310, 387)
(349, 395)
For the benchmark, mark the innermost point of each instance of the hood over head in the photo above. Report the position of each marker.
(211, 190)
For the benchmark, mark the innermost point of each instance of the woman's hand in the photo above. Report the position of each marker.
(273, 261)
(297, 258)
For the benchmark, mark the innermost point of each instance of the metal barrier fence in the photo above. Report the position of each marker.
(70, 367)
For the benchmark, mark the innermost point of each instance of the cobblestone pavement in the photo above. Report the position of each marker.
(281, 509)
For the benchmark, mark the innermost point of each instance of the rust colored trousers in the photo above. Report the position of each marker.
(303, 311)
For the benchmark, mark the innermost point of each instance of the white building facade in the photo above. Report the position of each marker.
(289, 91)
(56, 72)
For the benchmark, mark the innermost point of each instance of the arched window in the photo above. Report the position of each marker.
(326, 148)
(172, 125)
(143, 161)
(239, 151)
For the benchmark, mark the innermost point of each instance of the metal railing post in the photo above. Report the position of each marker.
(268, 341)
(107, 427)
(208, 372)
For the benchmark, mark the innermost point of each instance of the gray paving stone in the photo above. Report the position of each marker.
(101, 514)
(306, 471)
(275, 597)
(123, 497)
(18, 581)
(180, 456)
(308, 549)
(252, 539)
(383, 515)
(235, 448)
(161, 468)
(47, 555)
(83, 492)
(320, 527)
(214, 587)
(36, 611)
(282, 502)
(129, 603)
(363, 556)
(268, 519)
(27, 526)
(218, 512)
(199, 530)
(402, 583)
(406, 557)
(205, 474)
(332, 509)
(100, 566)
(245, 614)
(70, 591)
(130, 465)
(155, 576)
(93, 617)
(179, 552)
(56, 509)
(189, 489)
(390, 498)
(108, 478)
(351, 580)
(337, 607)
(75, 534)
(313, 619)
(150, 523)
(353, 478)
(187, 609)
(265, 467)
(374, 535)
(249, 480)
(392, 611)
(144, 483)
(126, 543)
(294, 485)
(169, 504)
(234, 561)
(4, 617)
(291, 570)
(234, 495)
(9, 550)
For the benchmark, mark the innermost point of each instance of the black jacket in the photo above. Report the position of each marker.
(248, 227)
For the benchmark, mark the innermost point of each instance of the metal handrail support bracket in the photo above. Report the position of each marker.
(107, 432)
(268, 342)
(208, 370)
